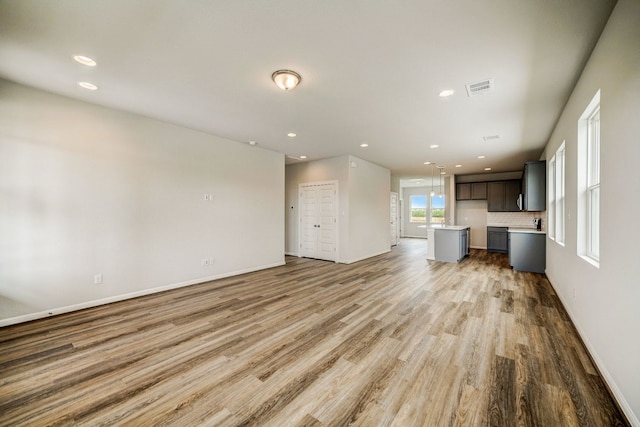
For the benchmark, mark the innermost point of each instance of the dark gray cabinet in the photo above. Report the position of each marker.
(534, 186)
(502, 196)
(527, 251)
(511, 193)
(478, 191)
(463, 191)
(471, 191)
(497, 239)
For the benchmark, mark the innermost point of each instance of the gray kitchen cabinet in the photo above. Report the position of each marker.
(502, 196)
(497, 239)
(478, 191)
(534, 186)
(471, 191)
(527, 250)
(463, 191)
(451, 243)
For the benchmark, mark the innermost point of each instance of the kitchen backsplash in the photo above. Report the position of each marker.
(516, 219)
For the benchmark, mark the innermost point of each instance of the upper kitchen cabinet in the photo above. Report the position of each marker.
(471, 191)
(502, 196)
(463, 191)
(534, 186)
(478, 191)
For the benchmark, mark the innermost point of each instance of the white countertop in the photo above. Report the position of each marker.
(525, 230)
(452, 227)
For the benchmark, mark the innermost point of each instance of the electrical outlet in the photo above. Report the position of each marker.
(205, 261)
(97, 279)
(209, 197)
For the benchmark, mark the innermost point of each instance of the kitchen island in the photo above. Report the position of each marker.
(448, 243)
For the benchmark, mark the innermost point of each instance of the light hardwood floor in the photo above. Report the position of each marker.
(394, 340)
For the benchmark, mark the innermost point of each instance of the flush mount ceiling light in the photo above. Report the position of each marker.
(434, 146)
(446, 93)
(427, 163)
(253, 143)
(481, 157)
(291, 135)
(286, 79)
(85, 60)
(364, 145)
(487, 169)
(303, 157)
(87, 85)
(458, 166)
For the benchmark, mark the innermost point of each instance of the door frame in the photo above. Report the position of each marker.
(336, 210)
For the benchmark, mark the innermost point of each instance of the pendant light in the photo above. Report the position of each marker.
(433, 193)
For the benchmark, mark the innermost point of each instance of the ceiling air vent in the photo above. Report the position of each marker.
(480, 88)
(490, 138)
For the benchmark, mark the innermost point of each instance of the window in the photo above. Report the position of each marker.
(589, 183)
(593, 185)
(559, 194)
(418, 209)
(437, 209)
(551, 213)
(555, 215)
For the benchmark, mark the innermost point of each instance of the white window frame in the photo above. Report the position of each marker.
(589, 144)
(560, 194)
(593, 185)
(551, 214)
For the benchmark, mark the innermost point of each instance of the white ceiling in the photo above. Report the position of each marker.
(371, 70)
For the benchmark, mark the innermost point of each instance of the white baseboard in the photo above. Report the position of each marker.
(608, 378)
(478, 247)
(291, 253)
(122, 297)
(351, 261)
(415, 237)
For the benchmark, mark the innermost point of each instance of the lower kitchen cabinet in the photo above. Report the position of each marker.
(451, 243)
(527, 250)
(498, 239)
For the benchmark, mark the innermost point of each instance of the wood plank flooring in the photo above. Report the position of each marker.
(394, 340)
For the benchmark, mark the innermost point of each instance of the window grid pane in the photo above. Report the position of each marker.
(594, 222)
(559, 192)
(552, 198)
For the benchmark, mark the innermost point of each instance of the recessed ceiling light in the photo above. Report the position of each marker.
(291, 135)
(443, 173)
(427, 163)
(434, 146)
(458, 166)
(303, 157)
(253, 143)
(446, 93)
(87, 85)
(481, 157)
(487, 169)
(85, 60)
(364, 145)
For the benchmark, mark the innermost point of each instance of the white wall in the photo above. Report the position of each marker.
(87, 190)
(333, 169)
(369, 210)
(363, 205)
(474, 214)
(605, 308)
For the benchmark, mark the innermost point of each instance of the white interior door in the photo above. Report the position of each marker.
(318, 220)
(394, 218)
